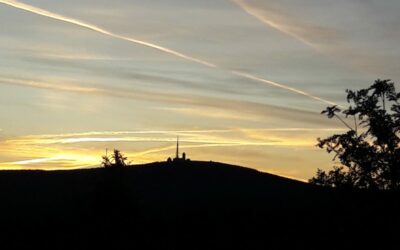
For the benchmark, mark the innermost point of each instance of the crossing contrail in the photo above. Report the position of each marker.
(49, 14)
(273, 24)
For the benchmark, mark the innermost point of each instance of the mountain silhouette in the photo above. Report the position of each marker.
(188, 205)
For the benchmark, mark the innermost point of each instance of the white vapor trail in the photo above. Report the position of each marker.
(278, 85)
(277, 26)
(42, 12)
(46, 13)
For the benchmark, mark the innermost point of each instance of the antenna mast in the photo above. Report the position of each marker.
(177, 147)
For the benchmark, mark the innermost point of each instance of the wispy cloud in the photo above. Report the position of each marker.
(261, 137)
(246, 108)
(51, 163)
(46, 85)
(46, 13)
(212, 113)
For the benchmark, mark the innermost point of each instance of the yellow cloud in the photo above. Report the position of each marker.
(61, 151)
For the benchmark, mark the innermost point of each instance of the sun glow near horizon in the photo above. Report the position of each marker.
(83, 150)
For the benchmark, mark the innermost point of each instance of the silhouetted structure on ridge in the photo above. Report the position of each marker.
(177, 159)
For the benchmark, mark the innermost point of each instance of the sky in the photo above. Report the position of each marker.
(240, 81)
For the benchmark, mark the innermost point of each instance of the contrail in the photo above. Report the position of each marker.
(46, 13)
(348, 56)
(42, 12)
(278, 85)
(282, 28)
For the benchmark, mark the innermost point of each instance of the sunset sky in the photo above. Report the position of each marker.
(240, 81)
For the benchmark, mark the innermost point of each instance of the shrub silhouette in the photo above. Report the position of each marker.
(369, 152)
(117, 160)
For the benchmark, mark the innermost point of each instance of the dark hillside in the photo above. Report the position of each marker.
(193, 205)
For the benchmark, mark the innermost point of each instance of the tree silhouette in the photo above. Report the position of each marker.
(117, 160)
(369, 158)
(106, 162)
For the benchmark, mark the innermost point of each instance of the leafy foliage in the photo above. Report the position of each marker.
(369, 152)
(117, 160)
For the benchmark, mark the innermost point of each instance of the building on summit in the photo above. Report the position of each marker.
(178, 159)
